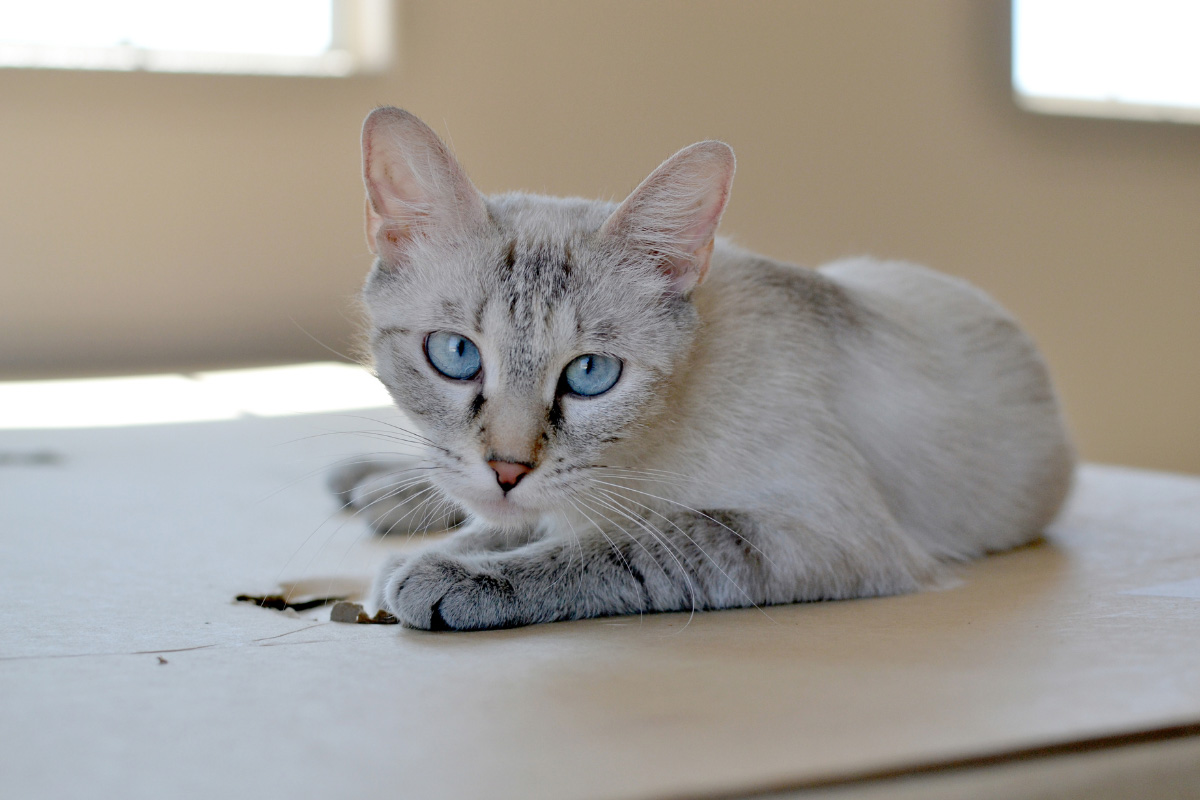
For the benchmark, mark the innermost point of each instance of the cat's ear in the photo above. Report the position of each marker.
(415, 187)
(672, 216)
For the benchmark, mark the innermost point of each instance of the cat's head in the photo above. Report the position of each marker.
(533, 339)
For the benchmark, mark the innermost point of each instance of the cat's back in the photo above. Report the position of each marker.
(936, 386)
(952, 405)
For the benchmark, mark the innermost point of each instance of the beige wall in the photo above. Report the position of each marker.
(155, 222)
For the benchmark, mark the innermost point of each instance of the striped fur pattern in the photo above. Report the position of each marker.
(777, 434)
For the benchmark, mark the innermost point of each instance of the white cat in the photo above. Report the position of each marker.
(637, 416)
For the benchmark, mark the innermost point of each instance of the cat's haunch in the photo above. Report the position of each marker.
(627, 414)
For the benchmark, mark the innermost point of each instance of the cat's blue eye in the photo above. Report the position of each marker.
(592, 374)
(452, 355)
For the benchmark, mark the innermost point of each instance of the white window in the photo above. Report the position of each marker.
(1108, 58)
(280, 37)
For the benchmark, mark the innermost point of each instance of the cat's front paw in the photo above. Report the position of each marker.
(438, 592)
(379, 590)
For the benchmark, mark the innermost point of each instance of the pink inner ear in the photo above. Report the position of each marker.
(705, 219)
(396, 188)
(395, 199)
(692, 273)
(413, 183)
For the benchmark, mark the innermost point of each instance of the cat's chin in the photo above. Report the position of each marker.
(503, 513)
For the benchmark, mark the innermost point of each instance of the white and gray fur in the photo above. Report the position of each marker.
(777, 434)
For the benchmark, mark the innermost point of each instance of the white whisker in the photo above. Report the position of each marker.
(695, 544)
(658, 539)
(608, 539)
(692, 510)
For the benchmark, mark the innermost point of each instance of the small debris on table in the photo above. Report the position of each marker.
(345, 612)
(354, 613)
(281, 603)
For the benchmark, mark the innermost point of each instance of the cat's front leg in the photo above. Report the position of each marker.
(687, 561)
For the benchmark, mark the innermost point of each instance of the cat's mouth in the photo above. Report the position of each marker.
(479, 494)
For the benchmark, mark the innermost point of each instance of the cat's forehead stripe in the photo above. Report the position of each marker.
(523, 295)
(534, 280)
(537, 269)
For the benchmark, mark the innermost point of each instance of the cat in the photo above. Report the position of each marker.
(630, 414)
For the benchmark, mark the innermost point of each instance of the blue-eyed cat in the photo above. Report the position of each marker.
(635, 416)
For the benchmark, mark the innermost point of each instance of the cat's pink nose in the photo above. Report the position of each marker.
(509, 473)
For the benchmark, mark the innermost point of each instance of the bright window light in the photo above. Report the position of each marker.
(203, 397)
(300, 37)
(1109, 58)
